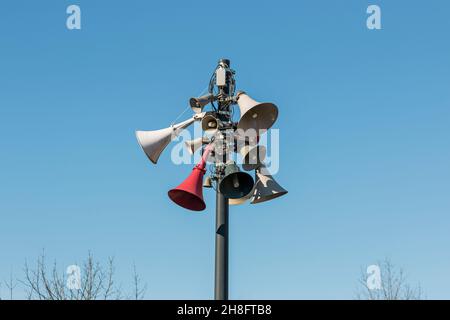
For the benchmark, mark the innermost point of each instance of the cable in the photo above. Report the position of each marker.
(211, 86)
(187, 108)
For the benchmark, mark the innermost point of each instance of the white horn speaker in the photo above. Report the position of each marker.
(209, 124)
(154, 142)
(197, 104)
(194, 145)
(252, 156)
(255, 115)
(266, 188)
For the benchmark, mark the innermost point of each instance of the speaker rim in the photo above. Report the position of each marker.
(246, 117)
(157, 153)
(268, 197)
(250, 167)
(225, 180)
(184, 198)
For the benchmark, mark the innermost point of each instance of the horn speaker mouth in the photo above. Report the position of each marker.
(187, 200)
(268, 197)
(253, 157)
(260, 117)
(236, 185)
(153, 159)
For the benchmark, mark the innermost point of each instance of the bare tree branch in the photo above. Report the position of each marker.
(394, 285)
(96, 282)
(139, 292)
(11, 284)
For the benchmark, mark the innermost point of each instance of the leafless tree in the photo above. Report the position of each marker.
(138, 289)
(11, 284)
(94, 282)
(394, 285)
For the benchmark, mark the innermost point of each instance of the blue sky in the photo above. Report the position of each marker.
(364, 125)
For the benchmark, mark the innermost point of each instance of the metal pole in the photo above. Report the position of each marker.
(221, 269)
(222, 206)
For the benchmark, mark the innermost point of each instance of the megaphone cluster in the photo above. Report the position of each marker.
(217, 124)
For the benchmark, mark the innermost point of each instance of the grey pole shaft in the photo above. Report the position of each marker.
(221, 271)
(221, 263)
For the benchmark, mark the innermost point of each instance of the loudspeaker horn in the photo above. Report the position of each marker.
(189, 194)
(209, 123)
(259, 116)
(244, 199)
(207, 183)
(235, 183)
(154, 142)
(197, 104)
(266, 188)
(194, 145)
(252, 156)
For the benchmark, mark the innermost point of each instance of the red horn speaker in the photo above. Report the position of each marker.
(189, 194)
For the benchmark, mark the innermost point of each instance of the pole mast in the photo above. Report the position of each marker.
(222, 206)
